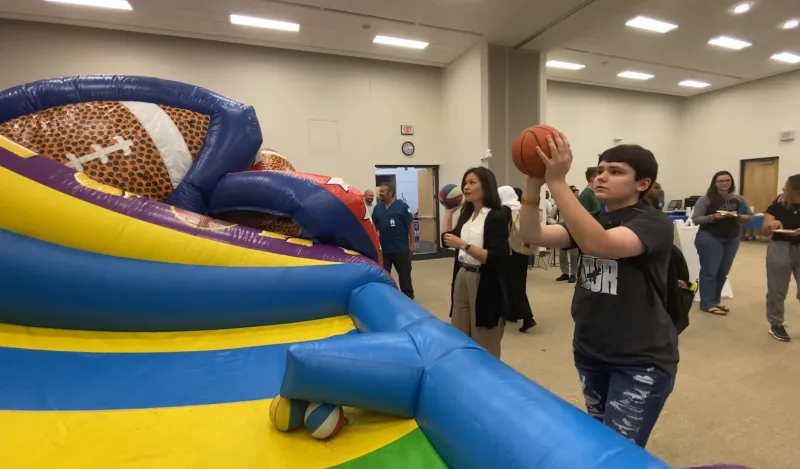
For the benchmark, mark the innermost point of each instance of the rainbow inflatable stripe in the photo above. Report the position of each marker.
(137, 334)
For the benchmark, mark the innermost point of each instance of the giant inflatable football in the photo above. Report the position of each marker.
(164, 275)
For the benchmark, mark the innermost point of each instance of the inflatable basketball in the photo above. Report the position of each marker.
(324, 421)
(287, 414)
(450, 196)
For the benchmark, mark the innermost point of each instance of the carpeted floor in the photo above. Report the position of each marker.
(735, 398)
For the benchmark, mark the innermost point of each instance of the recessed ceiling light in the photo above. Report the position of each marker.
(264, 23)
(742, 8)
(650, 24)
(635, 75)
(729, 42)
(564, 65)
(396, 41)
(114, 4)
(694, 84)
(786, 57)
(790, 24)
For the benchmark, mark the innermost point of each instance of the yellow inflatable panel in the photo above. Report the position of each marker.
(34, 338)
(237, 435)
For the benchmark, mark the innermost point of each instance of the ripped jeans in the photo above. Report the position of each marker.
(628, 399)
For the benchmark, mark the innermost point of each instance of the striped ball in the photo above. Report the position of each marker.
(323, 421)
(450, 196)
(287, 414)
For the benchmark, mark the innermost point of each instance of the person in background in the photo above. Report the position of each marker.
(655, 197)
(395, 225)
(479, 292)
(568, 258)
(625, 344)
(369, 201)
(587, 197)
(718, 214)
(518, 305)
(783, 253)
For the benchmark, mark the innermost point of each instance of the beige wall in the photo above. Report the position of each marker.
(721, 128)
(463, 114)
(369, 99)
(593, 117)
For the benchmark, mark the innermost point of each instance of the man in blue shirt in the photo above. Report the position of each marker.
(395, 225)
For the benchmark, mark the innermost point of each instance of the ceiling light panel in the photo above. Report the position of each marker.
(742, 8)
(650, 24)
(635, 75)
(265, 23)
(564, 65)
(787, 57)
(729, 42)
(399, 42)
(790, 24)
(113, 4)
(694, 84)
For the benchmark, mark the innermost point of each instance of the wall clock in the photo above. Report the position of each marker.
(408, 148)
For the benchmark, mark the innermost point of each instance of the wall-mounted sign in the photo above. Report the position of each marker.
(406, 130)
(408, 148)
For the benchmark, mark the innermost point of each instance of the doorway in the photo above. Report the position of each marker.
(759, 182)
(417, 186)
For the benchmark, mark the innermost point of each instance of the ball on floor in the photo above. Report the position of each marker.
(450, 196)
(324, 421)
(287, 414)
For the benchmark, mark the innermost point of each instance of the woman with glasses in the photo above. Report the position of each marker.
(718, 214)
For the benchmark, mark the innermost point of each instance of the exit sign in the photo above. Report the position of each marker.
(406, 130)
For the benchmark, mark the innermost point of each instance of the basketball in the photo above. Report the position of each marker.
(287, 414)
(324, 421)
(524, 154)
(450, 196)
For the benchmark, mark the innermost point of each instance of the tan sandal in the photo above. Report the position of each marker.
(715, 310)
(723, 308)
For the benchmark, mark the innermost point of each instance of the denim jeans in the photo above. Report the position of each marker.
(716, 259)
(628, 399)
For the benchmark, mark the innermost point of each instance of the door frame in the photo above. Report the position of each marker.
(744, 162)
(435, 167)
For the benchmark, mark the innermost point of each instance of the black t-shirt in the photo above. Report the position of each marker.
(619, 317)
(789, 216)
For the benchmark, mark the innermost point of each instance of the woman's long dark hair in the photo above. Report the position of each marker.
(713, 194)
(491, 198)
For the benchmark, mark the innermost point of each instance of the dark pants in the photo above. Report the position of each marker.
(716, 259)
(628, 399)
(520, 307)
(402, 262)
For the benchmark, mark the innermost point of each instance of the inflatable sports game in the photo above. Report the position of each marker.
(163, 278)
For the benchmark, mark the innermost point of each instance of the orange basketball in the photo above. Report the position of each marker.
(524, 154)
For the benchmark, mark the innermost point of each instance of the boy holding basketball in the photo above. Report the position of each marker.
(625, 344)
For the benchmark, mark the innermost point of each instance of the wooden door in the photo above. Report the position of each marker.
(427, 209)
(759, 182)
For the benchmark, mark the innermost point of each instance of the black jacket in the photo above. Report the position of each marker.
(492, 301)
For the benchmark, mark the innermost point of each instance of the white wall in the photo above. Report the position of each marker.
(464, 114)
(723, 127)
(370, 100)
(593, 116)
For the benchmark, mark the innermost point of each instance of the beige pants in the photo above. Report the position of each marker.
(465, 293)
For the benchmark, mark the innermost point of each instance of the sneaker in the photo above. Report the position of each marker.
(562, 278)
(779, 332)
(572, 279)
